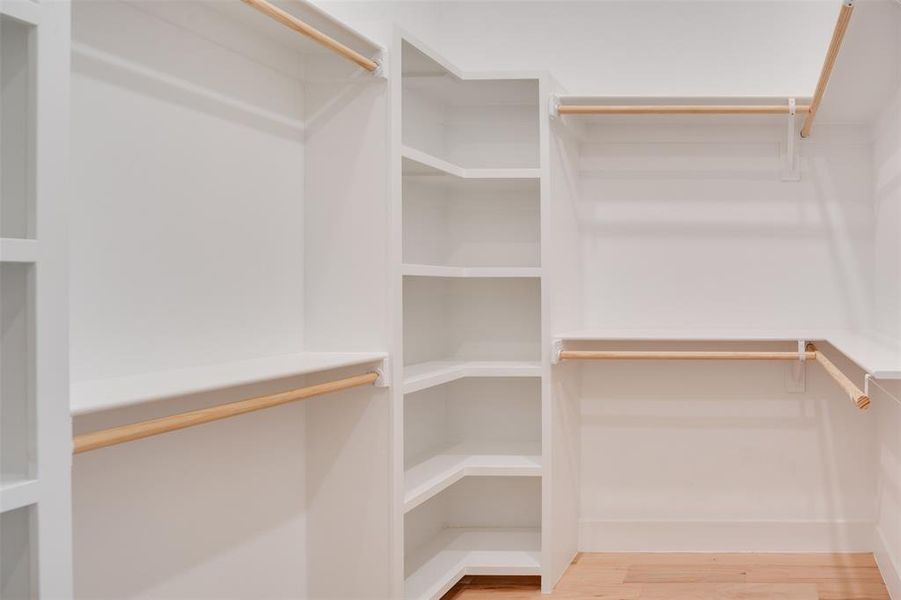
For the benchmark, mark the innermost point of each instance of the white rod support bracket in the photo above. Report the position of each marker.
(792, 169)
(384, 373)
(796, 371)
(553, 106)
(866, 384)
(380, 70)
(556, 349)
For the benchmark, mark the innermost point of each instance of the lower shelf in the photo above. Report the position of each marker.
(438, 472)
(435, 567)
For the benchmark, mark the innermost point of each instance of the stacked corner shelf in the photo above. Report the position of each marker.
(471, 395)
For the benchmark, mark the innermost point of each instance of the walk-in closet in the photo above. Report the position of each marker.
(444, 300)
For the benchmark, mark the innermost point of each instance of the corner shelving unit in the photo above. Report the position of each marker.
(469, 409)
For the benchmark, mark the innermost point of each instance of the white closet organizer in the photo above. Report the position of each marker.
(470, 193)
(677, 235)
(227, 243)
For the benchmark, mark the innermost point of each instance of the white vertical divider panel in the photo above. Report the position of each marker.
(396, 319)
(346, 212)
(47, 497)
(54, 423)
(563, 299)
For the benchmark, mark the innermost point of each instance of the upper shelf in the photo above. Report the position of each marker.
(105, 394)
(881, 358)
(418, 163)
(250, 18)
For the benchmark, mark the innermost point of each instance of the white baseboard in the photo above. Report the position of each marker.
(725, 536)
(889, 566)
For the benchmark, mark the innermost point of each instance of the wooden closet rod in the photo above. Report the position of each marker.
(143, 429)
(679, 355)
(292, 22)
(838, 35)
(857, 396)
(860, 399)
(678, 109)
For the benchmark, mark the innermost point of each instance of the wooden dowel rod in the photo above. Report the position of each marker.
(679, 355)
(835, 45)
(861, 400)
(143, 429)
(676, 109)
(289, 20)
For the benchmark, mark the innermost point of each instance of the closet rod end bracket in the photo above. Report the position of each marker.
(556, 349)
(380, 67)
(792, 168)
(553, 106)
(384, 374)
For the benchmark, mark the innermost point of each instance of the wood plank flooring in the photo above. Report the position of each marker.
(637, 576)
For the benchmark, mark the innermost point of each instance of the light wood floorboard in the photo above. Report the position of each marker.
(639, 576)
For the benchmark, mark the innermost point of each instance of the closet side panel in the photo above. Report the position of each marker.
(887, 298)
(346, 284)
(561, 260)
(346, 208)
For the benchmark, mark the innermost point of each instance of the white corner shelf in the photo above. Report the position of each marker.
(15, 250)
(419, 270)
(440, 471)
(421, 376)
(455, 553)
(105, 394)
(16, 493)
(417, 162)
(879, 357)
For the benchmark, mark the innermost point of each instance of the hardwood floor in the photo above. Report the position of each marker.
(694, 577)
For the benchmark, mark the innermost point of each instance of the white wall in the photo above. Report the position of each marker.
(690, 226)
(170, 240)
(660, 47)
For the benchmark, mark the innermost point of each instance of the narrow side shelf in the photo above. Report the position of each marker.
(16, 493)
(417, 162)
(92, 396)
(418, 270)
(429, 374)
(438, 472)
(454, 553)
(19, 250)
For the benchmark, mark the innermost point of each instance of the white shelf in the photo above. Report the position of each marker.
(92, 396)
(417, 270)
(455, 553)
(416, 162)
(429, 374)
(17, 493)
(14, 250)
(879, 357)
(26, 11)
(440, 471)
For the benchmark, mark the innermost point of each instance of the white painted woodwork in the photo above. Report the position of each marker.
(222, 167)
